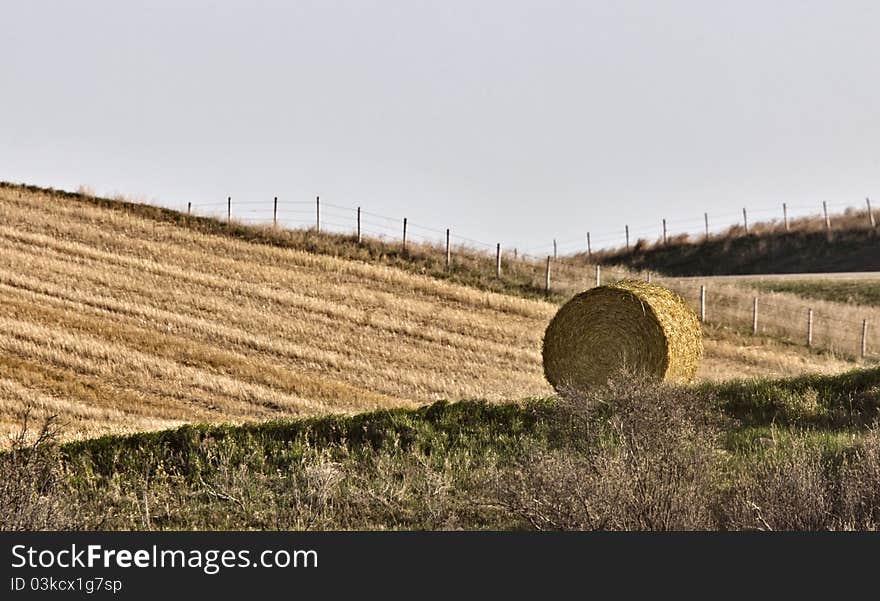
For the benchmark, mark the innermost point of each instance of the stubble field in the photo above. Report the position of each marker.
(118, 323)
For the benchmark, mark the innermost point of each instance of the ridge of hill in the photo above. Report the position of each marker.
(468, 267)
(851, 246)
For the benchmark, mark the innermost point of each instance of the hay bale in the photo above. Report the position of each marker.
(633, 326)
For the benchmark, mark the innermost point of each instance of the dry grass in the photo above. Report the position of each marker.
(837, 326)
(117, 322)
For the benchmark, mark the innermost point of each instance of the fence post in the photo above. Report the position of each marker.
(809, 327)
(404, 234)
(648, 277)
(515, 254)
(703, 303)
(785, 215)
(554, 248)
(827, 220)
(627, 237)
(275, 213)
(359, 225)
(228, 209)
(189, 207)
(547, 276)
(498, 261)
(755, 316)
(706, 219)
(864, 347)
(589, 248)
(448, 253)
(870, 213)
(745, 221)
(317, 213)
(598, 276)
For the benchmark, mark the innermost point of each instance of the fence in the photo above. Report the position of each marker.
(836, 327)
(331, 217)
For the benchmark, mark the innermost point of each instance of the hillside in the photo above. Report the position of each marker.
(851, 245)
(119, 321)
(121, 318)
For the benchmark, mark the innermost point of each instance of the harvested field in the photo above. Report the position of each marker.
(117, 322)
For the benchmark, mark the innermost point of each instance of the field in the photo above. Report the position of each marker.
(245, 378)
(118, 322)
(855, 291)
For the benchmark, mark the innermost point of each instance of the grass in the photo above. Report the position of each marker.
(755, 454)
(819, 401)
(857, 292)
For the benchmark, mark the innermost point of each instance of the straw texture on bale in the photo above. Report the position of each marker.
(630, 326)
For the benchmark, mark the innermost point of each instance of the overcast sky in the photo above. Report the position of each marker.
(508, 121)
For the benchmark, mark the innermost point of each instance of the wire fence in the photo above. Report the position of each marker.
(829, 216)
(840, 328)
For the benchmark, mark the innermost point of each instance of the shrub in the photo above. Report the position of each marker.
(32, 495)
(641, 458)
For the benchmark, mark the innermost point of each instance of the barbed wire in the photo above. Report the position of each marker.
(602, 240)
(828, 331)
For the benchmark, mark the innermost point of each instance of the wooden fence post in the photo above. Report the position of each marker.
(745, 221)
(547, 276)
(827, 220)
(706, 219)
(448, 251)
(598, 276)
(498, 261)
(275, 213)
(228, 209)
(755, 316)
(864, 347)
(870, 213)
(317, 213)
(627, 237)
(189, 207)
(665, 239)
(809, 327)
(589, 248)
(703, 303)
(785, 215)
(359, 226)
(554, 249)
(404, 234)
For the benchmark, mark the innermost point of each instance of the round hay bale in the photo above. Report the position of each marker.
(630, 326)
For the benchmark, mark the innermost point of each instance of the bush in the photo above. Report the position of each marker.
(640, 456)
(32, 495)
(803, 488)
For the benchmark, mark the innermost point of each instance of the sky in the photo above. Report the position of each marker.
(512, 121)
